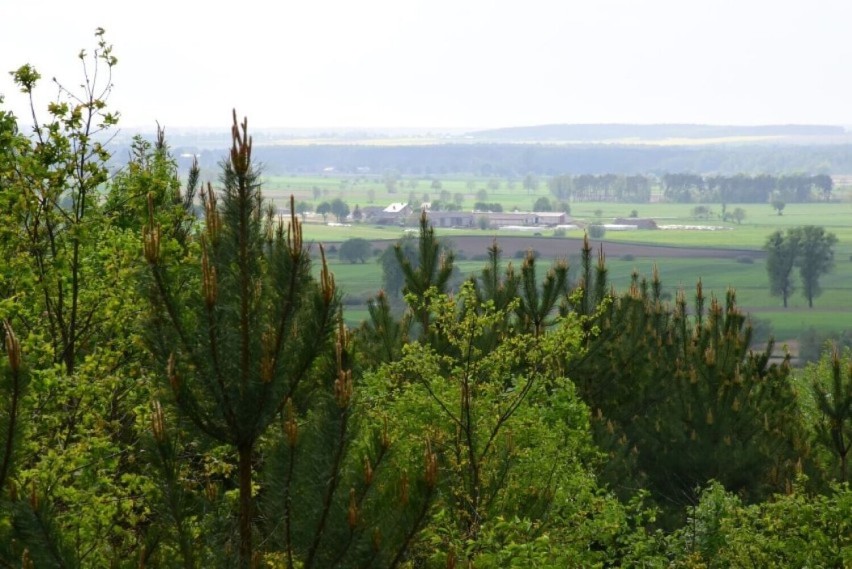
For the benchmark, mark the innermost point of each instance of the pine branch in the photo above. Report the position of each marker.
(331, 487)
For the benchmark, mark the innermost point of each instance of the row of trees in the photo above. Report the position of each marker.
(686, 188)
(741, 188)
(605, 187)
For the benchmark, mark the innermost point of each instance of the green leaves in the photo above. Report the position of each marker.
(506, 430)
(679, 397)
(810, 249)
(831, 386)
(26, 78)
(793, 530)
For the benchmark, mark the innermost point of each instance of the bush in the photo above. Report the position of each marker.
(628, 257)
(745, 259)
(761, 330)
(354, 299)
(597, 231)
(559, 233)
(813, 343)
(355, 250)
(522, 254)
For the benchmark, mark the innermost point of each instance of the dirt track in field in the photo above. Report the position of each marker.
(471, 245)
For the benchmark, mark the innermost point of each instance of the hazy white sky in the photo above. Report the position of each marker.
(448, 63)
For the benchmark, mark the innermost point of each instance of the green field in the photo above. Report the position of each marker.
(832, 310)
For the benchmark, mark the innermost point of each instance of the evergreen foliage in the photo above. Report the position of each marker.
(432, 269)
(382, 335)
(254, 362)
(795, 529)
(832, 389)
(680, 396)
(202, 404)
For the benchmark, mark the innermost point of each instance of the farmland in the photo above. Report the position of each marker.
(722, 255)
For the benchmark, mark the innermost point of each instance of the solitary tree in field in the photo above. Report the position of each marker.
(355, 250)
(782, 251)
(340, 209)
(324, 209)
(303, 208)
(542, 204)
(701, 212)
(778, 205)
(816, 257)
(530, 183)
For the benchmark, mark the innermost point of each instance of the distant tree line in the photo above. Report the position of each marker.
(179, 388)
(605, 187)
(685, 188)
(503, 160)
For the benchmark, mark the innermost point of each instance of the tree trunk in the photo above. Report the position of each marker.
(245, 506)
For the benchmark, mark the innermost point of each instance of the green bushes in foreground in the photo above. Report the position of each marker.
(180, 392)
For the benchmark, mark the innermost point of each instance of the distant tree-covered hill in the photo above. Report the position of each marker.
(599, 132)
(545, 159)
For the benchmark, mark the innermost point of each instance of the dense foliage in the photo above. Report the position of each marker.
(810, 248)
(178, 389)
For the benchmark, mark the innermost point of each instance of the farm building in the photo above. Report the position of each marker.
(527, 218)
(395, 213)
(637, 222)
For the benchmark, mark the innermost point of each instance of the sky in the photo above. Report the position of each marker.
(446, 64)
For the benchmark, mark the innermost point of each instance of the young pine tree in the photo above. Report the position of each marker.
(832, 391)
(239, 347)
(258, 360)
(685, 397)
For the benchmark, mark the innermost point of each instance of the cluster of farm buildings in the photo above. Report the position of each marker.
(400, 213)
